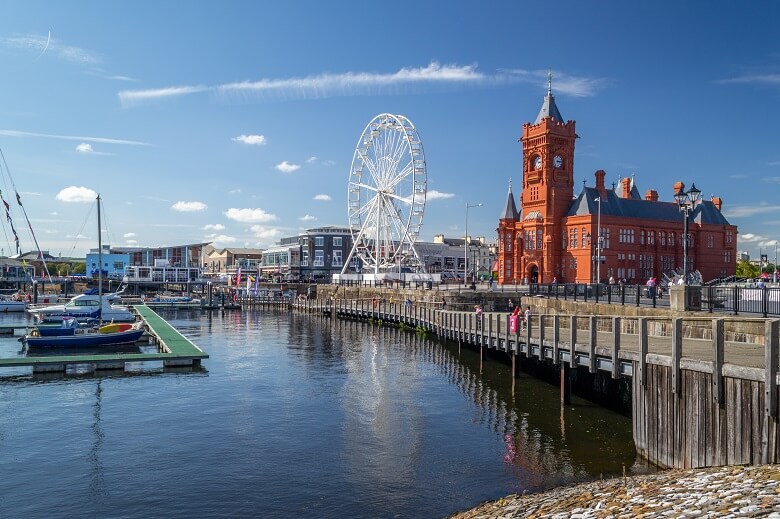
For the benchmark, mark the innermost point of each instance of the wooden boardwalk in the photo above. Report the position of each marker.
(697, 399)
(174, 350)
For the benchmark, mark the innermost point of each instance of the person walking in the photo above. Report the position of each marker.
(526, 316)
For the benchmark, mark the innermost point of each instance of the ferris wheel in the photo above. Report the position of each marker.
(386, 195)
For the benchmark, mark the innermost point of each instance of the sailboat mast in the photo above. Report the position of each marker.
(100, 256)
(27, 219)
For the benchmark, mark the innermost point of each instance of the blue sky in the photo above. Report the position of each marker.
(236, 122)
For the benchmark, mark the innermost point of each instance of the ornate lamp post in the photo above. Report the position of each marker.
(687, 201)
(466, 243)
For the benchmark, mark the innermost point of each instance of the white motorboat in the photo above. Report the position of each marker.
(93, 306)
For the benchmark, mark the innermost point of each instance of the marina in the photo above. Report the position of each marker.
(290, 397)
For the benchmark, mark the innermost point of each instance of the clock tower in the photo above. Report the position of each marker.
(548, 188)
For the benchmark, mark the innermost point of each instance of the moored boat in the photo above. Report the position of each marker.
(76, 336)
(84, 306)
(8, 304)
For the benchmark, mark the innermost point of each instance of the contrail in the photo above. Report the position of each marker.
(44, 47)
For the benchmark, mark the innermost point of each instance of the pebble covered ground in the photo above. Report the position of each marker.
(733, 491)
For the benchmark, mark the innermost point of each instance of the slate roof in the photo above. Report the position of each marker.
(613, 205)
(510, 210)
(549, 109)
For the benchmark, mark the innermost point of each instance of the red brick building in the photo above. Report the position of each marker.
(553, 236)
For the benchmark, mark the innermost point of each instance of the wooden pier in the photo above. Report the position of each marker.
(174, 350)
(699, 397)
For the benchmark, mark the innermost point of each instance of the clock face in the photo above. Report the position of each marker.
(538, 163)
(558, 161)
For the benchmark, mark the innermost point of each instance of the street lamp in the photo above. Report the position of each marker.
(466, 242)
(598, 243)
(687, 201)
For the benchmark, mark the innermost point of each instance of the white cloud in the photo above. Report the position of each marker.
(328, 85)
(753, 79)
(214, 227)
(53, 213)
(249, 215)
(322, 197)
(355, 83)
(436, 195)
(38, 43)
(234, 191)
(87, 149)
(102, 140)
(129, 235)
(254, 140)
(328, 163)
(76, 194)
(131, 96)
(750, 238)
(223, 238)
(311, 159)
(131, 242)
(750, 210)
(307, 218)
(189, 207)
(563, 83)
(265, 232)
(286, 167)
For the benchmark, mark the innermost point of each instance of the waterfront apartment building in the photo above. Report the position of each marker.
(601, 231)
(314, 254)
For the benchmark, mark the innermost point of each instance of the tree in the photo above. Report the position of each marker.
(745, 269)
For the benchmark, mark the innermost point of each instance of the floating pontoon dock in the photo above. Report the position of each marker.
(174, 350)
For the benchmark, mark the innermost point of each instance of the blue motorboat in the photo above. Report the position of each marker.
(66, 327)
(74, 335)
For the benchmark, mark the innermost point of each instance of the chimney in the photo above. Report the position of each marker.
(717, 202)
(626, 187)
(678, 186)
(600, 182)
(651, 195)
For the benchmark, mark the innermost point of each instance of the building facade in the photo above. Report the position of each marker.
(323, 251)
(554, 237)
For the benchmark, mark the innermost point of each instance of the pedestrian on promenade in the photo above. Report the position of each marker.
(526, 316)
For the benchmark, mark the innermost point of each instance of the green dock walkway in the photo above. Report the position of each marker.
(175, 350)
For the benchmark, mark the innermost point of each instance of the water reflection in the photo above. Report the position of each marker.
(543, 443)
(97, 485)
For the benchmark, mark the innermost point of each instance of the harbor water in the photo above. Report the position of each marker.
(294, 415)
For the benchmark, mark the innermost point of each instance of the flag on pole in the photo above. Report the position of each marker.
(238, 276)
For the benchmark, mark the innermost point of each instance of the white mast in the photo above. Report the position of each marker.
(100, 259)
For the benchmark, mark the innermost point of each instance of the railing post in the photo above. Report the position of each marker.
(736, 299)
(556, 337)
(677, 341)
(764, 301)
(592, 343)
(573, 339)
(615, 347)
(643, 339)
(638, 291)
(768, 433)
(717, 361)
